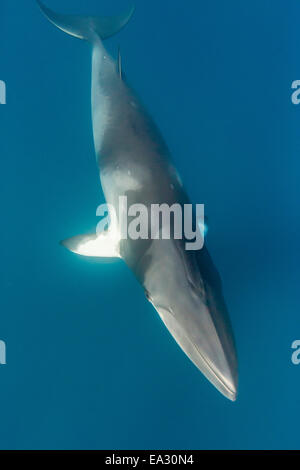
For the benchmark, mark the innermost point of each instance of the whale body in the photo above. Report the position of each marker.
(134, 162)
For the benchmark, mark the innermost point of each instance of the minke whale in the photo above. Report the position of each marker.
(134, 161)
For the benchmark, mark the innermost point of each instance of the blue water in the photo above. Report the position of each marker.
(89, 363)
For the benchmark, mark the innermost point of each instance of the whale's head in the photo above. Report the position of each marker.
(186, 291)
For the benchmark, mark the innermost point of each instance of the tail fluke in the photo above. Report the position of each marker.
(87, 27)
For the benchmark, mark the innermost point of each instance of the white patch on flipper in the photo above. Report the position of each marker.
(103, 245)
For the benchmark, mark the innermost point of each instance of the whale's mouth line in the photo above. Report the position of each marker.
(213, 371)
(206, 361)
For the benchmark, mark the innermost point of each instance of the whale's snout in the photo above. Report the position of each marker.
(212, 352)
(186, 292)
